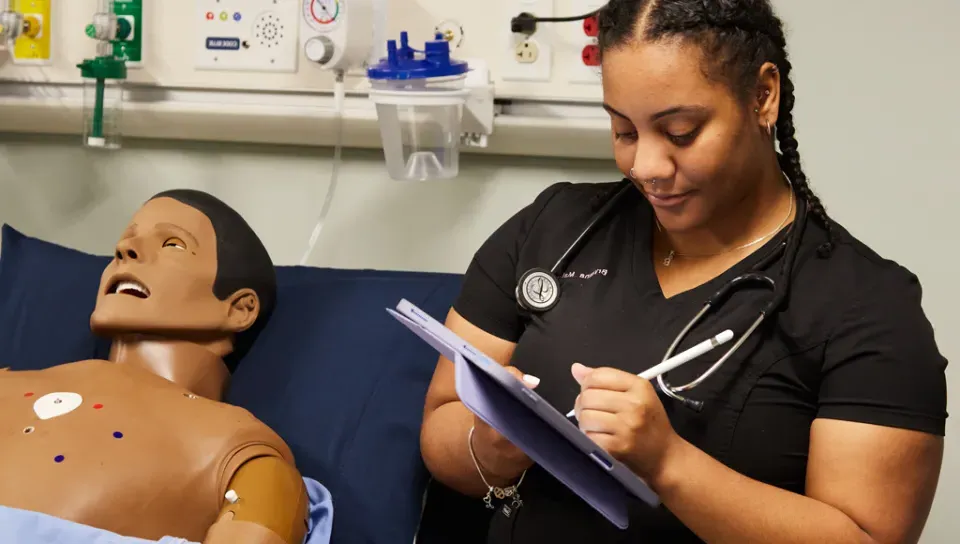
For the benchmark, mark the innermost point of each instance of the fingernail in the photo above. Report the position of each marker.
(579, 371)
(533, 381)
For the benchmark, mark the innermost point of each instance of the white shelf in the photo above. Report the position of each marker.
(529, 128)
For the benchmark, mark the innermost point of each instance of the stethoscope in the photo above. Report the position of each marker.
(538, 289)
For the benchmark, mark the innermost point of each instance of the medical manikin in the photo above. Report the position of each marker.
(141, 445)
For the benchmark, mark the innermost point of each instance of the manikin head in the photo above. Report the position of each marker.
(188, 268)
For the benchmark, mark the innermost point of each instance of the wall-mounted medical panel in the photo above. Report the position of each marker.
(232, 69)
(219, 44)
(246, 35)
(129, 15)
(33, 43)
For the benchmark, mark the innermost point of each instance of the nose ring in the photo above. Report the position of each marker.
(633, 175)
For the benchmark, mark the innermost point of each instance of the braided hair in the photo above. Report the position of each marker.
(737, 37)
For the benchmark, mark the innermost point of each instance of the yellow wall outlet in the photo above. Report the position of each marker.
(33, 45)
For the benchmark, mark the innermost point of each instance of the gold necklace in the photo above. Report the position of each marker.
(668, 260)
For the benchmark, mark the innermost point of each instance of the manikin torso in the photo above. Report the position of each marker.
(118, 447)
(141, 445)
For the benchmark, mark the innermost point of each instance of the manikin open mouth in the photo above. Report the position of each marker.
(128, 287)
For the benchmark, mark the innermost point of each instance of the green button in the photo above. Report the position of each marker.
(91, 31)
(224, 16)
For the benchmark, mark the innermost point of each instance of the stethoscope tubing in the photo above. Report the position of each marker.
(602, 213)
(787, 249)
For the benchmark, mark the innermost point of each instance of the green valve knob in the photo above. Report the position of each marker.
(91, 31)
(123, 29)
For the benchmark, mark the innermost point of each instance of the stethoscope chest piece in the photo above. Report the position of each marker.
(538, 290)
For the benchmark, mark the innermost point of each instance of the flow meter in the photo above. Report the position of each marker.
(11, 26)
(118, 29)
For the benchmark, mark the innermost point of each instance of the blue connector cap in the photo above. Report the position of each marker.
(405, 62)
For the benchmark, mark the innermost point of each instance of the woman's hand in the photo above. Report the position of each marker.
(623, 415)
(498, 457)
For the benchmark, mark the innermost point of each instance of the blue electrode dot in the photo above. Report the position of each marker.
(58, 459)
(117, 434)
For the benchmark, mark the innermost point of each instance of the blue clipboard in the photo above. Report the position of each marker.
(527, 420)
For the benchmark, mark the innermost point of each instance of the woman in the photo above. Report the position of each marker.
(825, 426)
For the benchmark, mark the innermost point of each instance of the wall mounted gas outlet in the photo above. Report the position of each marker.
(584, 57)
(130, 48)
(32, 46)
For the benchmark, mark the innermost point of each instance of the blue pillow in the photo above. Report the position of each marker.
(332, 373)
(46, 289)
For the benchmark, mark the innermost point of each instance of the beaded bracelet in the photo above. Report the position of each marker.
(498, 492)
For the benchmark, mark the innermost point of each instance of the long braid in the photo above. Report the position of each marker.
(737, 37)
(790, 159)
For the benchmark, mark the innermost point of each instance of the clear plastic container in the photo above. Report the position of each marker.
(420, 131)
(420, 105)
(103, 79)
(102, 112)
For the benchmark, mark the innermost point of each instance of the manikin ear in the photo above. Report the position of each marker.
(244, 308)
(766, 101)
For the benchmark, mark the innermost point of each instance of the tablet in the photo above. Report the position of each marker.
(527, 420)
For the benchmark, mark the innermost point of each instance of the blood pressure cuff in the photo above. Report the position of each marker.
(332, 373)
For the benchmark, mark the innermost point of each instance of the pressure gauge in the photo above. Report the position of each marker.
(322, 15)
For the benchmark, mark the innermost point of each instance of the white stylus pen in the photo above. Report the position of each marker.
(682, 358)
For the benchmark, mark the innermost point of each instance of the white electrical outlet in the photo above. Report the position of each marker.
(527, 58)
(247, 35)
(584, 46)
(527, 52)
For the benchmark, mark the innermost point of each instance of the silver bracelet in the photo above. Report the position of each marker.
(498, 492)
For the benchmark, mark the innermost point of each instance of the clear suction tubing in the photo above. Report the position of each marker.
(420, 97)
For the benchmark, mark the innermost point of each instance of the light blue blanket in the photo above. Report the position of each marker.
(25, 527)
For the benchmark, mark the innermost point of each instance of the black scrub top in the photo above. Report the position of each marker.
(851, 343)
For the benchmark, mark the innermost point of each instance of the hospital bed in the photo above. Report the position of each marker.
(332, 373)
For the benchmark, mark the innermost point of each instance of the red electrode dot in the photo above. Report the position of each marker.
(97, 406)
(30, 394)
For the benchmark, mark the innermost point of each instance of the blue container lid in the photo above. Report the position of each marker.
(403, 63)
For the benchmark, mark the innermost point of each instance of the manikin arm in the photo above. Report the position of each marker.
(270, 507)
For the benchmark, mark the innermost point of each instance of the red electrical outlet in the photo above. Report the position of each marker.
(591, 55)
(591, 27)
